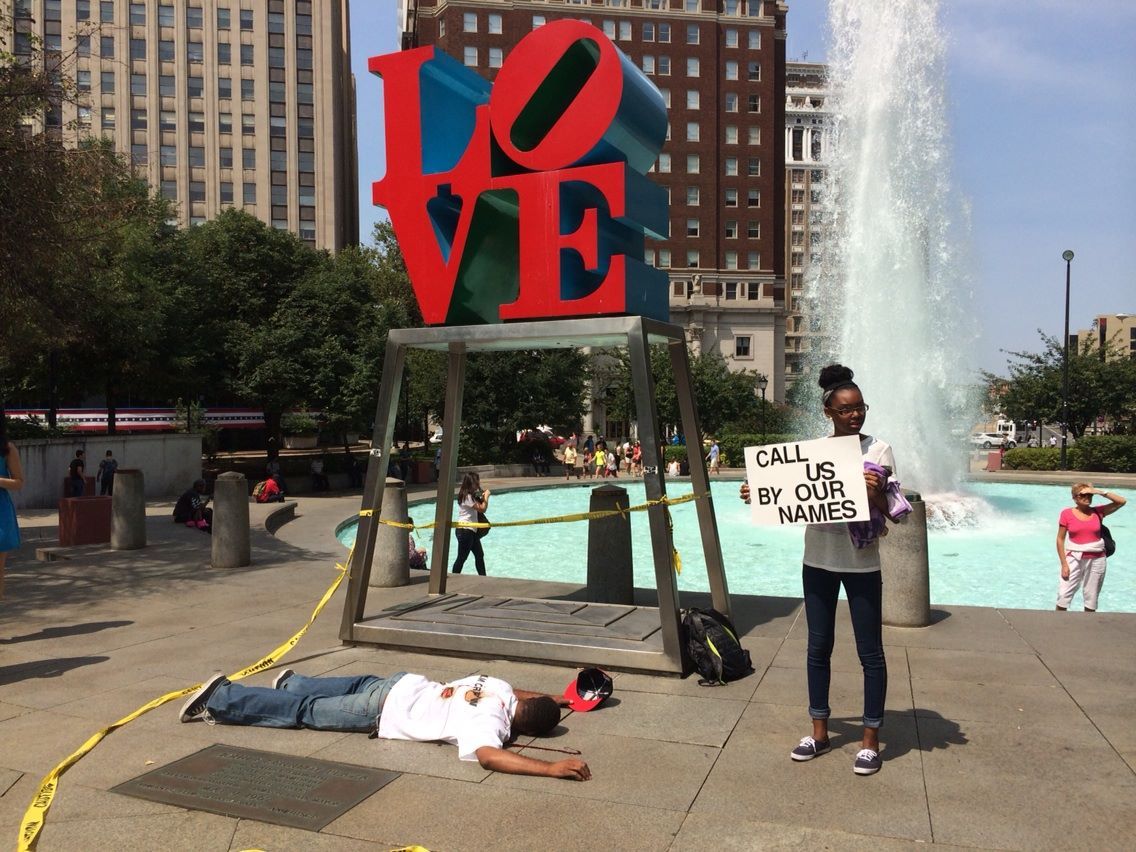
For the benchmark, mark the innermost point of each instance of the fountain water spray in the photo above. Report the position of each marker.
(891, 289)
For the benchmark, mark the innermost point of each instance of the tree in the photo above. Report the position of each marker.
(510, 391)
(1102, 383)
(239, 273)
(58, 203)
(726, 400)
(65, 213)
(337, 328)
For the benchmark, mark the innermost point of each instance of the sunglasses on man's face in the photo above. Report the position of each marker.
(1085, 495)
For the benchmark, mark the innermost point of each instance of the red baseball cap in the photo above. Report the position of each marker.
(589, 690)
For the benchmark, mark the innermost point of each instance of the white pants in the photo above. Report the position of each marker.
(1088, 570)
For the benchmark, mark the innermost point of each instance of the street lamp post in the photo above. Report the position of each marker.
(762, 384)
(1067, 256)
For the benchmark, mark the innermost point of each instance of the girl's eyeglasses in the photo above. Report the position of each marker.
(845, 410)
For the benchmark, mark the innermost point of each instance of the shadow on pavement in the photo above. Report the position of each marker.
(45, 668)
(931, 731)
(173, 556)
(72, 630)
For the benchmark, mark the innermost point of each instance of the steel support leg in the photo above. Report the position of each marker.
(661, 542)
(707, 523)
(444, 504)
(359, 571)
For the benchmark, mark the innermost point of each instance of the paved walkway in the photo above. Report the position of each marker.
(1007, 729)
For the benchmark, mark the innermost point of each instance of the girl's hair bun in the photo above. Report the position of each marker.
(833, 375)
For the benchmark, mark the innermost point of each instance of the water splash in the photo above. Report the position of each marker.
(892, 288)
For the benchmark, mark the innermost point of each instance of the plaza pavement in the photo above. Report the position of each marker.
(1007, 729)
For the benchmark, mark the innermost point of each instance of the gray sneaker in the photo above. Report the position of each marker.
(809, 748)
(278, 681)
(867, 762)
(195, 706)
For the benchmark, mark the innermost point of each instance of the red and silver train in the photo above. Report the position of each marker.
(139, 419)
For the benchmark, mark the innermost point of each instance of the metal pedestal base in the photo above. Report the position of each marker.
(557, 631)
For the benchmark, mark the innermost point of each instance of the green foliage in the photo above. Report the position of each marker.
(1038, 458)
(298, 423)
(1101, 384)
(726, 400)
(1107, 453)
(33, 428)
(510, 391)
(732, 443)
(1097, 453)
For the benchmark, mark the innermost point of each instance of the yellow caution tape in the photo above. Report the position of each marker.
(36, 813)
(665, 502)
(555, 519)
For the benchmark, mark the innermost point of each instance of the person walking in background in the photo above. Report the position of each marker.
(831, 560)
(601, 459)
(437, 463)
(1080, 546)
(570, 457)
(75, 477)
(713, 456)
(318, 467)
(472, 501)
(405, 457)
(11, 479)
(354, 470)
(105, 477)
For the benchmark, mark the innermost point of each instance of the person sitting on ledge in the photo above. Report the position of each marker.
(272, 492)
(191, 510)
(479, 714)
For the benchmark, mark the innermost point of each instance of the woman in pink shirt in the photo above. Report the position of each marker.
(1080, 547)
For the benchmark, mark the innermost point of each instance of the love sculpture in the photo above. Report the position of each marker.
(522, 210)
(527, 199)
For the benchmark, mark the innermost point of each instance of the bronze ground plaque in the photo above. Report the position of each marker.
(241, 782)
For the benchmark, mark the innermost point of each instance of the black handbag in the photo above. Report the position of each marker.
(1109, 541)
(482, 532)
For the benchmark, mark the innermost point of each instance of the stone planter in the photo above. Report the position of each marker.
(301, 442)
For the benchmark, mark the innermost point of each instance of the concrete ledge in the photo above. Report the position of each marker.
(279, 515)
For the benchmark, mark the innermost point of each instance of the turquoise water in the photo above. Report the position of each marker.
(1001, 550)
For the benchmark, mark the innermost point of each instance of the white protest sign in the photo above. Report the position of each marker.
(807, 482)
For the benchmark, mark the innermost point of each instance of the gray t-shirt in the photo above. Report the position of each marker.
(829, 546)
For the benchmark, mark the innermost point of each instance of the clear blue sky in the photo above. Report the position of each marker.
(1043, 118)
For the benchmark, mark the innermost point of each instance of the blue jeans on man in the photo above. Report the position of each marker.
(321, 703)
(865, 603)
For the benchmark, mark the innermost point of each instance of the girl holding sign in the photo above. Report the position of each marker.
(831, 559)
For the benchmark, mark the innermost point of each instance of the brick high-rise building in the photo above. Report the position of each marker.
(720, 65)
(219, 103)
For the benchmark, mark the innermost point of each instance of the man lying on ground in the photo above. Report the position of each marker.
(479, 714)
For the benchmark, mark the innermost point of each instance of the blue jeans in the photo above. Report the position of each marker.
(320, 703)
(865, 596)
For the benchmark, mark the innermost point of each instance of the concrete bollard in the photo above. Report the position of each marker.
(391, 565)
(231, 547)
(906, 571)
(610, 575)
(128, 511)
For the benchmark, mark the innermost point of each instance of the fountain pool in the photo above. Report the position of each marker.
(1006, 558)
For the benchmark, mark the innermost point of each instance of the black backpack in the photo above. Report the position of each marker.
(712, 644)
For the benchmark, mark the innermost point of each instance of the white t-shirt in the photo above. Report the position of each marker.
(829, 546)
(467, 511)
(472, 712)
